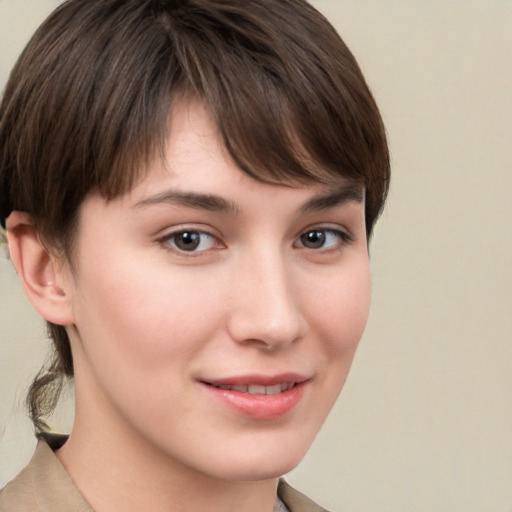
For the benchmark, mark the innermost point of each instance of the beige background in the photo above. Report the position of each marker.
(425, 420)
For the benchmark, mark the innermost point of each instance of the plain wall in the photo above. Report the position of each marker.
(425, 420)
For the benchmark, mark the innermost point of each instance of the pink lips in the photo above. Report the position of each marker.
(259, 397)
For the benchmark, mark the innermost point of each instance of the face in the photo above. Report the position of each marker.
(216, 317)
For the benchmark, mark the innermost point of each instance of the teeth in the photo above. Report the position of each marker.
(258, 389)
(273, 390)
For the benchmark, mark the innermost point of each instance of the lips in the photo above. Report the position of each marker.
(259, 397)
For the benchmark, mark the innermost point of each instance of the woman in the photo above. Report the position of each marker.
(189, 188)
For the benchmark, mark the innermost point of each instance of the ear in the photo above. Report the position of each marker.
(43, 276)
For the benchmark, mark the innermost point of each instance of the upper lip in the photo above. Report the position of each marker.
(262, 380)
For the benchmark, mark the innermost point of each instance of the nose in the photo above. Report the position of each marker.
(265, 304)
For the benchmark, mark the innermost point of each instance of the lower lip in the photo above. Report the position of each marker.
(260, 407)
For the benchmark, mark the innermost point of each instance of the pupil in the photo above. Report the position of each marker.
(313, 239)
(187, 241)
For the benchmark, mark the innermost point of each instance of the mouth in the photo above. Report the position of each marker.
(259, 397)
(256, 389)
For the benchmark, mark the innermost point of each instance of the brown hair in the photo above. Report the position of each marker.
(88, 102)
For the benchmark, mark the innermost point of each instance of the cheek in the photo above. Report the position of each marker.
(140, 328)
(339, 307)
(144, 306)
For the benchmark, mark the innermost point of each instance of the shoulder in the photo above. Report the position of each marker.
(44, 485)
(18, 495)
(295, 501)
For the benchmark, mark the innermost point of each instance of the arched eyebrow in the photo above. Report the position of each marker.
(345, 194)
(195, 200)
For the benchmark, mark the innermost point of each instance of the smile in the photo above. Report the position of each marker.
(258, 389)
(259, 397)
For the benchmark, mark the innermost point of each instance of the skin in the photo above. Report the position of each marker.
(151, 322)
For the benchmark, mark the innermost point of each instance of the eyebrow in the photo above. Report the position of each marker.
(212, 202)
(345, 194)
(195, 200)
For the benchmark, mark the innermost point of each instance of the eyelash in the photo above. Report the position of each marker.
(341, 239)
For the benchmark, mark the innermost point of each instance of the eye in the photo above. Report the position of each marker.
(323, 239)
(189, 241)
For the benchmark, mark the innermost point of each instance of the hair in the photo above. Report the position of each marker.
(87, 107)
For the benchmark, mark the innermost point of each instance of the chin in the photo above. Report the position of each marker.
(255, 463)
(273, 468)
(267, 470)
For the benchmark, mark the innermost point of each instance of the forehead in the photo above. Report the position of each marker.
(194, 146)
(195, 154)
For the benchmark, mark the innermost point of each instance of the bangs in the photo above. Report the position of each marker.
(290, 109)
(87, 105)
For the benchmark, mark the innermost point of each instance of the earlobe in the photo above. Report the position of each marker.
(40, 272)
